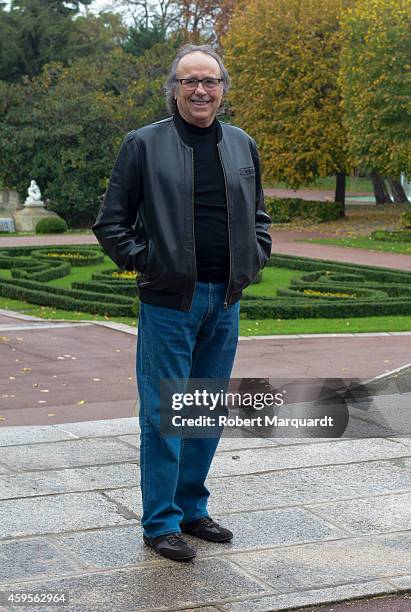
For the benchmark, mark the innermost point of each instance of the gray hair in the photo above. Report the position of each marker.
(171, 85)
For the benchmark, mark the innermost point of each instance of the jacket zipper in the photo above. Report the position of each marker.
(228, 224)
(194, 238)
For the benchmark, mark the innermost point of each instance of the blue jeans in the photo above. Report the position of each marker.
(174, 344)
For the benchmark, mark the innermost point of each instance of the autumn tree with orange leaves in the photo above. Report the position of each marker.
(283, 57)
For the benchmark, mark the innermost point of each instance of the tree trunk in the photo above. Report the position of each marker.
(340, 190)
(398, 192)
(380, 191)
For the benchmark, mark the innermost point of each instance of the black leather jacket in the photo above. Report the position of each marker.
(146, 221)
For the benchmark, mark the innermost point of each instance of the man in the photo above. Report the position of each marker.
(185, 208)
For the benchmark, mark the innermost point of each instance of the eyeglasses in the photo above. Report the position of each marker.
(209, 84)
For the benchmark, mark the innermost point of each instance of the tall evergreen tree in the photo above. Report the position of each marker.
(35, 32)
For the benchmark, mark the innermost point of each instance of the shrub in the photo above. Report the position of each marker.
(283, 210)
(51, 225)
(398, 236)
(406, 219)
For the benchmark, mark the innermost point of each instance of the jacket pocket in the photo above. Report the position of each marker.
(247, 171)
(148, 267)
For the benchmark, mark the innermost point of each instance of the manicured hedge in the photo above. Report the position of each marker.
(129, 289)
(78, 257)
(293, 309)
(364, 290)
(378, 291)
(368, 272)
(406, 218)
(393, 236)
(283, 210)
(44, 298)
(32, 268)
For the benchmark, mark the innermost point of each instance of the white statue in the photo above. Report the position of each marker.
(34, 195)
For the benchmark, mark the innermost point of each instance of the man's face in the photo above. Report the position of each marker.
(198, 106)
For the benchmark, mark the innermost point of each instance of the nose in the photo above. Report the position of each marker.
(202, 87)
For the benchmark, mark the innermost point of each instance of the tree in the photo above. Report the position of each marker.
(375, 85)
(223, 17)
(64, 127)
(140, 38)
(194, 21)
(197, 18)
(283, 56)
(35, 32)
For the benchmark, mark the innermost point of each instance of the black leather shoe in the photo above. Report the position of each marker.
(171, 546)
(207, 529)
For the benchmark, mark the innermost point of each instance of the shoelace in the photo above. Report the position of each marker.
(208, 522)
(174, 538)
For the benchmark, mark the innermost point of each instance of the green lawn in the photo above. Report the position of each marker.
(363, 242)
(269, 327)
(273, 278)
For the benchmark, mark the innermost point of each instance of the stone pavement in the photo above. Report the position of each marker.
(315, 521)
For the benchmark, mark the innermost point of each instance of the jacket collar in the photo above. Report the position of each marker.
(182, 130)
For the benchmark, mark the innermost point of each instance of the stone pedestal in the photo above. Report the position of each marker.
(9, 201)
(26, 218)
(6, 221)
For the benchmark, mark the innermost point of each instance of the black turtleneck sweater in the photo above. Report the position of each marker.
(210, 206)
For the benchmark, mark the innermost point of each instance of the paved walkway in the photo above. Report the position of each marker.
(287, 243)
(284, 242)
(61, 372)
